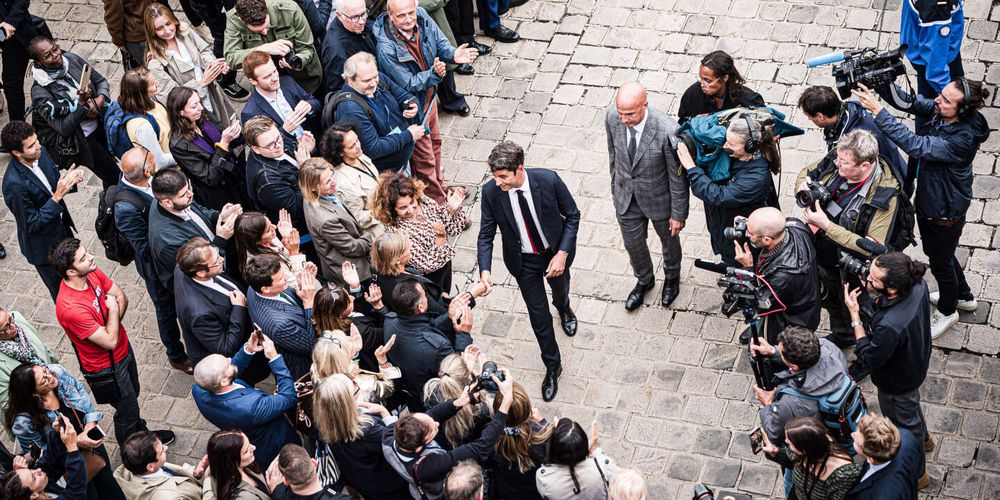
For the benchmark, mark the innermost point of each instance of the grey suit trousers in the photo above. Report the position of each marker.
(635, 228)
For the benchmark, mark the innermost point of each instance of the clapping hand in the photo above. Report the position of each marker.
(306, 145)
(230, 134)
(284, 222)
(308, 285)
(471, 357)
(455, 198)
(350, 274)
(226, 224)
(374, 296)
(381, 353)
(273, 476)
(211, 73)
(292, 242)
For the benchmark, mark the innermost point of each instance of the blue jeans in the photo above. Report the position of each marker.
(490, 12)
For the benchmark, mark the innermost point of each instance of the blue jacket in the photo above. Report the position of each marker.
(41, 222)
(291, 329)
(260, 416)
(338, 45)
(209, 320)
(898, 480)
(72, 393)
(273, 184)
(294, 93)
(134, 225)
(388, 151)
(854, 117)
(933, 35)
(944, 156)
(898, 351)
(397, 62)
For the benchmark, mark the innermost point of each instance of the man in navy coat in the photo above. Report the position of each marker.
(279, 98)
(33, 191)
(231, 403)
(538, 221)
(893, 459)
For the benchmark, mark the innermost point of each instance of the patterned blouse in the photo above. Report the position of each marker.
(834, 487)
(424, 254)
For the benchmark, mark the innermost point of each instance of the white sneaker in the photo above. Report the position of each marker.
(965, 305)
(941, 323)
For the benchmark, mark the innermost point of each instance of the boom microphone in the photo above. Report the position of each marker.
(869, 246)
(715, 267)
(832, 57)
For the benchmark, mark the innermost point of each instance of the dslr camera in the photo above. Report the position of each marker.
(816, 192)
(294, 61)
(738, 232)
(853, 265)
(485, 379)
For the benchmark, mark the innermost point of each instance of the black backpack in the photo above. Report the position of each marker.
(329, 114)
(116, 246)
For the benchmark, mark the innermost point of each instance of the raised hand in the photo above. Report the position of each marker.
(374, 296)
(465, 55)
(292, 242)
(350, 274)
(284, 222)
(381, 353)
(230, 134)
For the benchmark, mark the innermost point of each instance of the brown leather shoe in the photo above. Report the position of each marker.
(924, 480)
(184, 366)
(929, 444)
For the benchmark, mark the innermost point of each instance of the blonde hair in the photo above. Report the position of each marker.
(453, 377)
(515, 448)
(336, 412)
(254, 127)
(156, 48)
(627, 484)
(882, 439)
(387, 249)
(332, 356)
(310, 174)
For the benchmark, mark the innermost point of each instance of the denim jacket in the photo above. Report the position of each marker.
(71, 392)
(397, 62)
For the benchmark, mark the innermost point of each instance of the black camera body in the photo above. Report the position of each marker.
(485, 379)
(817, 192)
(867, 67)
(738, 232)
(853, 265)
(294, 61)
(743, 291)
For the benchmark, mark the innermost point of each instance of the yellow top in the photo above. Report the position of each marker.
(160, 114)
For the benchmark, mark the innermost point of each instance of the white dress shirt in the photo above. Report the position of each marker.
(281, 106)
(189, 214)
(872, 469)
(212, 284)
(35, 169)
(519, 220)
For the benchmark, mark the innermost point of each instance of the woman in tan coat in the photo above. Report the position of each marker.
(232, 473)
(355, 173)
(177, 56)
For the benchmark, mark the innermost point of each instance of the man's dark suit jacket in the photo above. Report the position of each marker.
(293, 92)
(133, 224)
(167, 232)
(15, 13)
(338, 45)
(41, 222)
(273, 184)
(898, 480)
(210, 322)
(557, 214)
(291, 328)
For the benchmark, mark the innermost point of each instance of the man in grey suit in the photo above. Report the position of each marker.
(646, 185)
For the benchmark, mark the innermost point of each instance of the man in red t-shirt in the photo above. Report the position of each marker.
(90, 307)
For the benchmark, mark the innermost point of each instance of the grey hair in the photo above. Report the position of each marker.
(739, 127)
(352, 63)
(862, 144)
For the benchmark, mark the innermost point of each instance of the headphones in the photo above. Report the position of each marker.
(963, 107)
(753, 142)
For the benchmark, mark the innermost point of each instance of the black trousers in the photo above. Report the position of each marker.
(451, 99)
(15, 65)
(166, 319)
(939, 244)
(127, 420)
(531, 280)
(442, 277)
(50, 278)
(95, 156)
(459, 13)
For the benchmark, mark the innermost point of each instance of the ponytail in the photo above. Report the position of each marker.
(769, 148)
(901, 272)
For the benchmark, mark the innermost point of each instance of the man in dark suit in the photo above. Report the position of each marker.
(211, 308)
(893, 459)
(538, 221)
(279, 98)
(133, 199)
(33, 191)
(232, 403)
(647, 184)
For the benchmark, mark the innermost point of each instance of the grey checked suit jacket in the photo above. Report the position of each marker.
(654, 177)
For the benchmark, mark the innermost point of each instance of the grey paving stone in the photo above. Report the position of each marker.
(956, 451)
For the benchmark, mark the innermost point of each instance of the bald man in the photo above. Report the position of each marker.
(131, 200)
(646, 185)
(787, 262)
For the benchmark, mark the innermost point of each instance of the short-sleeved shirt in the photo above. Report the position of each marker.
(83, 312)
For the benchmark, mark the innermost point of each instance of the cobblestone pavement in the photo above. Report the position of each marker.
(669, 388)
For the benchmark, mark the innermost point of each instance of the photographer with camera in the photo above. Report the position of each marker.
(858, 197)
(787, 265)
(943, 153)
(898, 349)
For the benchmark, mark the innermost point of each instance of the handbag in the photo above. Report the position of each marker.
(327, 470)
(91, 459)
(300, 415)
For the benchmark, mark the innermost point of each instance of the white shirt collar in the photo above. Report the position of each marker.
(639, 127)
(148, 190)
(872, 469)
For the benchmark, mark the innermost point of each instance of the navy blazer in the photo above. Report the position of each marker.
(260, 416)
(134, 225)
(41, 222)
(294, 93)
(898, 480)
(557, 214)
(211, 324)
(273, 184)
(167, 232)
(291, 329)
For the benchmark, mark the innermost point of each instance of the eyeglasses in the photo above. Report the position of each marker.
(55, 51)
(9, 326)
(354, 19)
(218, 262)
(277, 144)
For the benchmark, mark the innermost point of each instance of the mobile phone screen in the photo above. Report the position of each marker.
(757, 440)
(96, 433)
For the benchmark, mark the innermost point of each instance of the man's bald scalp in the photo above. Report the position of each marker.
(395, 5)
(630, 94)
(768, 221)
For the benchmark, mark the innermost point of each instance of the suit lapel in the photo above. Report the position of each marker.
(647, 138)
(536, 196)
(266, 108)
(26, 172)
(508, 211)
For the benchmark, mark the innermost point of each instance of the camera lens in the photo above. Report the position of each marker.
(805, 198)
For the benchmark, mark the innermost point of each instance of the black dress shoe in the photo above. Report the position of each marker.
(465, 69)
(462, 111)
(568, 320)
(3, 252)
(745, 336)
(482, 49)
(503, 34)
(550, 385)
(671, 288)
(517, 3)
(635, 297)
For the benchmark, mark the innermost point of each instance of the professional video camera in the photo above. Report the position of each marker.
(863, 66)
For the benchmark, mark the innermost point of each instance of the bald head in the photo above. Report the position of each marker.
(138, 165)
(394, 6)
(214, 372)
(766, 221)
(631, 103)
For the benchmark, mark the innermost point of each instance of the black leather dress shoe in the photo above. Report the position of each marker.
(550, 385)
(635, 297)
(462, 111)
(671, 288)
(745, 336)
(482, 49)
(568, 320)
(465, 69)
(517, 3)
(3, 252)
(503, 34)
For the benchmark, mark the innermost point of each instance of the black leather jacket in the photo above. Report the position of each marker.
(790, 270)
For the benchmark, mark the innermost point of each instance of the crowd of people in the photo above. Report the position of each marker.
(310, 238)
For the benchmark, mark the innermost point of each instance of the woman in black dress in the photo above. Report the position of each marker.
(719, 87)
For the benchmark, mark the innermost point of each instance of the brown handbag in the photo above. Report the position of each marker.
(91, 459)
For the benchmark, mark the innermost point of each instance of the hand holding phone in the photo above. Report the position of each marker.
(757, 440)
(96, 433)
